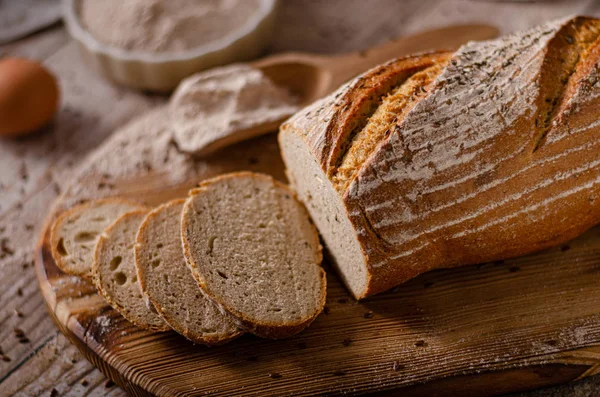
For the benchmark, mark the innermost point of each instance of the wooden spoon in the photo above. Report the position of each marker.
(311, 76)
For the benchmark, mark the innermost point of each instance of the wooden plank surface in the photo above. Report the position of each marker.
(89, 115)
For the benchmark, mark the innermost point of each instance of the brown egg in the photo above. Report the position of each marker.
(29, 96)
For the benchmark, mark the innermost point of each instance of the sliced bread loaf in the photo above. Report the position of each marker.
(253, 249)
(115, 275)
(75, 233)
(167, 282)
(448, 159)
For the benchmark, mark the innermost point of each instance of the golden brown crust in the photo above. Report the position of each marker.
(410, 86)
(263, 329)
(360, 101)
(499, 159)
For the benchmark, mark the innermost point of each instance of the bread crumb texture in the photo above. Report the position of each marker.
(75, 233)
(115, 275)
(253, 249)
(169, 284)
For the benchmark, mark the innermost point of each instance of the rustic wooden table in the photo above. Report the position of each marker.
(34, 170)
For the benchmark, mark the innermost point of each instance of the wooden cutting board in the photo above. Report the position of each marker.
(478, 330)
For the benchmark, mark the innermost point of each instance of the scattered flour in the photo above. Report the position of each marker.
(103, 321)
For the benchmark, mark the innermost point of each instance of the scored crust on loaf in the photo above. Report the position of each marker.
(166, 280)
(115, 275)
(253, 249)
(362, 142)
(487, 163)
(75, 232)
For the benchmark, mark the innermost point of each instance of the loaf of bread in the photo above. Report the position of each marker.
(447, 159)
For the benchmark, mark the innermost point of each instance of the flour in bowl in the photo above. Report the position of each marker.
(159, 26)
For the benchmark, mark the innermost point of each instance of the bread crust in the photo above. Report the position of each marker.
(262, 329)
(55, 237)
(496, 161)
(196, 337)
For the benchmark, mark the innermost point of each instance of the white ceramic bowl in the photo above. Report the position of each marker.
(163, 72)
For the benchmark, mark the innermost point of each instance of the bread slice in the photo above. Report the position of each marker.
(115, 275)
(253, 250)
(167, 282)
(75, 233)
